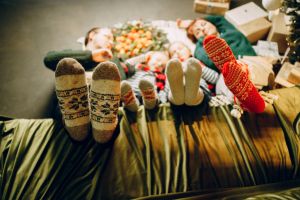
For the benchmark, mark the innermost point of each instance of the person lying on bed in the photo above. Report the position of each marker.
(198, 29)
(98, 45)
(102, 102)
(98, 106)
(178, 73)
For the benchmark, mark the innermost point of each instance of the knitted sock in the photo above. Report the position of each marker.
(174, 74)
(193, 93)
(105, 98)
(148, 94)
(240, 85)
(128, 98)
(72, 94)
(217, 50)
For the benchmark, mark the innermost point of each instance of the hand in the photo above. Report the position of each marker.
(101, 55)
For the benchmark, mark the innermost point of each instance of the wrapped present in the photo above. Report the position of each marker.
(267, 48)
(294, 76)
(216, 7)
(289, 75)
(251, 20)
(279, 32)
(261, 70)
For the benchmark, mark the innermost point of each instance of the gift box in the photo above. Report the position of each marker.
(261, 70)
(216, 7)
(267, 49)
(288, 75)
(251, 20)
(279, 32)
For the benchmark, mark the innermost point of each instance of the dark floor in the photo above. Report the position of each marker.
(31, 28)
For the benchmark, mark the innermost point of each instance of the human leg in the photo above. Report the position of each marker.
(149, 94)
(193, 93)
(72, 94)
(104, 99)
(174, 74)
(128, 97)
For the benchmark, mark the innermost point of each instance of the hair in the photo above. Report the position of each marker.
(86, 39)
(190, 33)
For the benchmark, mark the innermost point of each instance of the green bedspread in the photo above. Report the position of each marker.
(168, 150)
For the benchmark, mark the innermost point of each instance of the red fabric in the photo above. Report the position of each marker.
(159, 76)
(238, 82)
(217, 50)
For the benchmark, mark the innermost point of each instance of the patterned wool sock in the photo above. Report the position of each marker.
(128, 97)
(217, 50)
(72, 94)
(238, 82)
(193, 93)
(174, 74)
(105, 98)
(149, 94)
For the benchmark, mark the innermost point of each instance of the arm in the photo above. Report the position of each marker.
(131, 63)
(83, 57)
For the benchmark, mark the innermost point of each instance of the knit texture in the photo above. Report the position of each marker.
(130, 102)
(193, 93)
(240, 85)
(105, 98)
(149, 95)
(174, 72)
(72, 95)
(237, 41)
(218, 50)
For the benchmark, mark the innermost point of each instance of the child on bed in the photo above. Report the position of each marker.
(98, 106)
(152, 67)
(148, 70)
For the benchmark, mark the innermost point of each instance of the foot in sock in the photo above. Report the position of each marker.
(105, 97)
(218, 50)
(193, 93)
(149, 94)
(72, 94)
(238, 82)
(128, 97)
(174, 74)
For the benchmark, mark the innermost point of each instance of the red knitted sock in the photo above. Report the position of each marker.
(240, 85)
(217, 50)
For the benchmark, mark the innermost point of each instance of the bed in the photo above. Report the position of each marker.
(172, 152)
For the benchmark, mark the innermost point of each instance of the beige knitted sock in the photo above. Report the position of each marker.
(128, 97)
(72, 94)
(105, 98)
(174, 74)
(193, 93)
(149, 94)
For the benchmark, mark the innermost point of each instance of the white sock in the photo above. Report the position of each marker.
(174, 74)
(193, 93)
